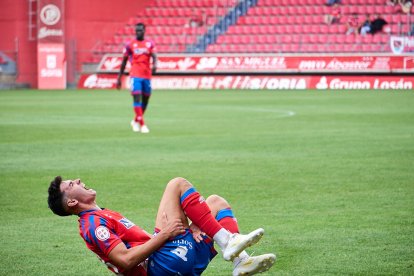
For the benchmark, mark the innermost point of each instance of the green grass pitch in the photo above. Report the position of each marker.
(328, 175)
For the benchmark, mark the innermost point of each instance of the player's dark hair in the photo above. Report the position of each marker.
(55, 199)
(140, 24)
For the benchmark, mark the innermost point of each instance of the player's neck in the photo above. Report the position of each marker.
(88, 207)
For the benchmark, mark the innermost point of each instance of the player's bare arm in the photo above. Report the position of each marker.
(128, 258)
(121, 72)
(154, 63)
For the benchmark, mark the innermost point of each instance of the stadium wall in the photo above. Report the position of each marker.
(86, 23)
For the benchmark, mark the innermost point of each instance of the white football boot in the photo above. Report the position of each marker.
(254, 265)
(239, 242)
(144, 129)
(135, 126)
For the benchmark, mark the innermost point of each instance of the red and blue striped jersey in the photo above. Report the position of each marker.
(104, 229)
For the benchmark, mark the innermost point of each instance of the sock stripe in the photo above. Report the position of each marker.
(224, 213)
(186, 194)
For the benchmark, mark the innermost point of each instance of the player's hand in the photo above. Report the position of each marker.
(173, 227)
(198, 235)
(154, 69)
(118, 83)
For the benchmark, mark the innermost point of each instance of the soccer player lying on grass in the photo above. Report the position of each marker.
(176, 248)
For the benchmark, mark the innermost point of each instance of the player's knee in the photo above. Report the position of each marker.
(217, 202)
(137, 98)
(179, 183)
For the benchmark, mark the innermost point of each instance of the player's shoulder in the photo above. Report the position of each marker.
(129, 42)
(149, 42)
(92, 215)
(91, 221)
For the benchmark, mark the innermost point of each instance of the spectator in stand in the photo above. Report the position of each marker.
(377, 24)
(332, 2)
(392, 2)
(365, 26)
(334, 16)
(196, 20)
(401, 5)
(406, 6)
(352, 24)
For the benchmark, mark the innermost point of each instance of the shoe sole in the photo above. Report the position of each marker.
(263, 266)
(253, 240)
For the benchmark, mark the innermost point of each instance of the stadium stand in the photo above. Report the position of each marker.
(168, 25)
(281, 26)
(8, 71)
(258, 26)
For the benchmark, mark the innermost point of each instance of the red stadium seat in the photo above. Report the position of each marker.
(350, 39)
(337, 48)
(276, 25)
(367, 39)
(305, 39)
(286, 39)
(315, 29)
(307, 29)
(296, 38)
(339, 38)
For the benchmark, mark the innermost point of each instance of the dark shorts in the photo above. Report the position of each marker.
(182, 256)
(140, 86)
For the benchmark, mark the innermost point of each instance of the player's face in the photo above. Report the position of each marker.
(75, 189)
(140, 32)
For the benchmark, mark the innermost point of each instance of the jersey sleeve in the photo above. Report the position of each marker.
(153, 49)
(126, 52)
(100, 234)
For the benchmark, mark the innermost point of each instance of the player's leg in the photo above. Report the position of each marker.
(243, 264)
(223, 213)
(139, 118)
(177, 255)
(146, 94)
(136, 92)
(179, 193)
(145, 101)
(170, 202)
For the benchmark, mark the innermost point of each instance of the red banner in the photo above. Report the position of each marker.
(108, 81)
(272, 63)
(51, 61)
(51, 66)
(50, 21)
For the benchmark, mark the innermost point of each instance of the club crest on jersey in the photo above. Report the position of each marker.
(127, 223)
(148, 44)
(102, 233)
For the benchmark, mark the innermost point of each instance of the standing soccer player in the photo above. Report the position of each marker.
(139, 52)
